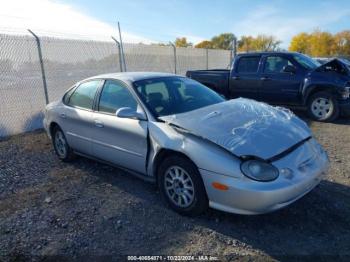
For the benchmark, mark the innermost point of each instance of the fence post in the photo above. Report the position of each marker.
(207, 58)
(234, 49)
(37, 39)
(120, 54)
(175, 62)
(122, 46)
(235, 46)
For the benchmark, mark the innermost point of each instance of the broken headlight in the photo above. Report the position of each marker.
(259, 170)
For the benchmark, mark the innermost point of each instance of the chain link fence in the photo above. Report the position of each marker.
(69, 61)
(140, 57)
(21, 90)
(219, 59)
(35, 70)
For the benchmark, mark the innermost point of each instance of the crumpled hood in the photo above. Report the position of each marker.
(334, 63)
(244, 127)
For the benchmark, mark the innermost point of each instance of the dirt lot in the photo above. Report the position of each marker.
(85, 208)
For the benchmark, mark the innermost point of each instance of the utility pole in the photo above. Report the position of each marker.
(122, 46)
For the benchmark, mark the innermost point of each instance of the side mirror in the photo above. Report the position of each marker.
(289, 69)
(127, 112)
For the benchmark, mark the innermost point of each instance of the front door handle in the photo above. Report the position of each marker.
(235, 77)
(63, 115)
(98, 124)
(265, 78)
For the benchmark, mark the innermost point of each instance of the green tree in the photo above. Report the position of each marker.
(182, 42)
(266, 43)
(204, 44)
(245, 44)
(161, 44)
(223, 41)
(259, 43)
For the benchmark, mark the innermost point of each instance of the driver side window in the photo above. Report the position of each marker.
(114, 96)
(156, 95)
(275, 64)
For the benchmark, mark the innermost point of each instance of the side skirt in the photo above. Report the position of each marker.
(134, 173)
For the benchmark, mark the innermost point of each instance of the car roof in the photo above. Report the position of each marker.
(131, 76)
(267, 53)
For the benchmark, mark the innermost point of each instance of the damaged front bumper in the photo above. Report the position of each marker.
(307, 166)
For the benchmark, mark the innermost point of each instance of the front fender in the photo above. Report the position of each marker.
(313, 88)
(315, 83)
(204, 154)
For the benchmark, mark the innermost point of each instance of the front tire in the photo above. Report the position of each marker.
(322, 106)
(181, 186)
(60, 144)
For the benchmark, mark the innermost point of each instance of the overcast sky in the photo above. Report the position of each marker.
(163, 20)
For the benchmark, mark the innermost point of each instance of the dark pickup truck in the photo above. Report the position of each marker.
(284, 78)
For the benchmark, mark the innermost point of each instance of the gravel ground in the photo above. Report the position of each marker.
(50, 208)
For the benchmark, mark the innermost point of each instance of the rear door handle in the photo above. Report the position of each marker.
(265, 78)
(63, 115)
(235, 77)
(98, 124)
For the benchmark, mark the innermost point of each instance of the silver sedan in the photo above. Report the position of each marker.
(239, 156)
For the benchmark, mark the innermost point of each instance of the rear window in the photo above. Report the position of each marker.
(248, 64)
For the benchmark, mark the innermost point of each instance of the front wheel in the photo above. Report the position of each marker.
(181, 186)
(323, 106)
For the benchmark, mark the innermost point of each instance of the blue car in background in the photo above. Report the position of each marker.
(285, 78)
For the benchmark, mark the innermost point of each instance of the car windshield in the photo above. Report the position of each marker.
(173, 95)
(306, 62)
(345, 61)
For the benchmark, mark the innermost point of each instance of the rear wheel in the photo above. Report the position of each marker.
(181, 186)
(322, 106)
(62, 149)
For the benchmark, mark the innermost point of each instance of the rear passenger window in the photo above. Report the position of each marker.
(84, 95)
(248, 64)
(67, 95)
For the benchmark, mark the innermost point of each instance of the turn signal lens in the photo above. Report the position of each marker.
(219, 186)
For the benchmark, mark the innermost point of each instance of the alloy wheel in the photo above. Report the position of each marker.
(179, 186)
(322, 107)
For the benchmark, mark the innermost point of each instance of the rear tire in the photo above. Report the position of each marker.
(60, 144)
(181, 186)
(323, 106)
